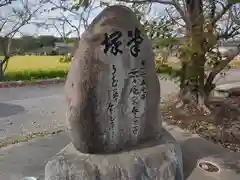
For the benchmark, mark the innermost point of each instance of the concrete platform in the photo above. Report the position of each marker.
(196, 149)
(29, 159)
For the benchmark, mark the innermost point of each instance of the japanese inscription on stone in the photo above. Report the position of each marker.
(112, 106)
(112, 42)
(138, 96)
(112, 88)
(134, 42)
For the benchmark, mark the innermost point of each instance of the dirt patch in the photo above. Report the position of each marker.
(30, 136)
(222, 126)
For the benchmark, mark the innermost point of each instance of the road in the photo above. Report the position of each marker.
(35, 109)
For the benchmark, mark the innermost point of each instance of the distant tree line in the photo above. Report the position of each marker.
(28, 44)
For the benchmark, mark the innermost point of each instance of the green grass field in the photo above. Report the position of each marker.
(23, 63)
(35, 67)
(31, 68)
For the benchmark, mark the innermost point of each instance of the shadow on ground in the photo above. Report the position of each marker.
(10, 109)
(29, 159)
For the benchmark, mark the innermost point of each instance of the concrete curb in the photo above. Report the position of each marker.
(15, 84)
(226, 87)
(224, 90)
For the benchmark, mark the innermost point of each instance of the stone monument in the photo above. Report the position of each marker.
(113, 96)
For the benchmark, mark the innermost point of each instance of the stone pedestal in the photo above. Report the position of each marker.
(159, 159)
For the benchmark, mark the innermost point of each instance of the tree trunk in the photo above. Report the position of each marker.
(192, 79)
(1, 71)
(3, 67)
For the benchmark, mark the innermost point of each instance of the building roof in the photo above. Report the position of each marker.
(60, 44)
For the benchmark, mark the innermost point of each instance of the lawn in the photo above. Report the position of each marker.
(23, 63)
(44, 67)
(35, 67)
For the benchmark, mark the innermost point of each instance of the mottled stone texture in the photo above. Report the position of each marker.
(113, 91)
(156, 160)
(113, 96)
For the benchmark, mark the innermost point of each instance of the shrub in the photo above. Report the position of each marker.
(65, 59)
(35, 74)
(235, 63)
(164, 68)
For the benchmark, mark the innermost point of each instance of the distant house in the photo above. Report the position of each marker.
(59, 48)
(63, 48)
(48, 50)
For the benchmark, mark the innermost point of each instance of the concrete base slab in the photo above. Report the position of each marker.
(196, 149)
(29, 159)
(155, 160)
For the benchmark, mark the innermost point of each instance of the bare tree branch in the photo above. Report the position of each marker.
(3, 24)
(229, 28)
(11, 23)
(176, 19)
(68, 18)
(224, 10)
(235, 14)
(228, 34)
(181, 11)
(174, 3)
(5, 2)
(22, 22)
(167, 2)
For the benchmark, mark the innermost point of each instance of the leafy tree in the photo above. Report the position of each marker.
(69, 20)
(46, 40)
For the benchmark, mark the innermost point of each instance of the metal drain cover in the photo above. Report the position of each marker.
(29, 178)
(208, 166)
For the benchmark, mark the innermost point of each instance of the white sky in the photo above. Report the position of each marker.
(30, 29)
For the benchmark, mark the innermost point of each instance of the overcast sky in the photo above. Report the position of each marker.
(44, 15)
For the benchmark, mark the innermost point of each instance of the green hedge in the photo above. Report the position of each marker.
(35, 75)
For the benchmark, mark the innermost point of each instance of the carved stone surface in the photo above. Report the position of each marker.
(112, 88)
(113, 96)
(156, 160)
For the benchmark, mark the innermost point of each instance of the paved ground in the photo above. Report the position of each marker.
(29, 159)
(30, 109)
(33, 109)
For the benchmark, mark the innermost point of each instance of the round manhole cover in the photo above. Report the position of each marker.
(208, 166)
(29, 178)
